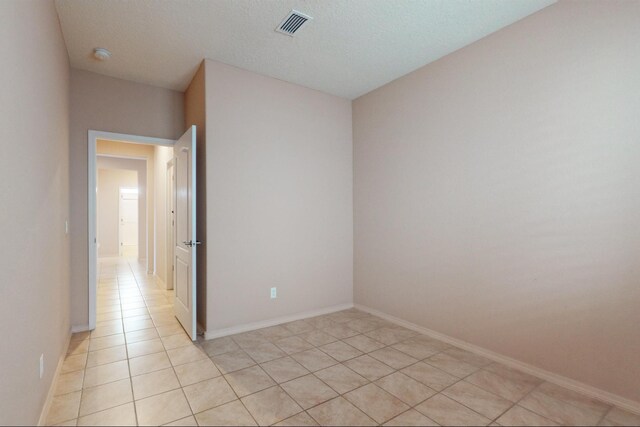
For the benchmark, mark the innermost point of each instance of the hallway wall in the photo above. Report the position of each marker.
(34, 183)
(107, 104)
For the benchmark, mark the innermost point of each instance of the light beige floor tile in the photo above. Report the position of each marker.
(108, 329)
(363, 343)
(481, 401)
(149, 363)
(340, 412)
(270, 406)
(299, 327)
(390, 335)
(78, 346)
(405, 388)
(105, 396)
(573, 398)
(451, 365)
(314, 359)
(220, 346)
(301, 419)
(108, 316)
(232, 361)
(376, 403)
(134, 312)
(364, 325)
(74, 362)
(187, 421)
(622, 417)
(392, 357)
(106, 342)
(249, 380)
(510, 389)
(448, 412)
(318, 338)
(468, 357)
(369, 367)
(162, 408)
(308, 391)
(145, 347)
(284, 369)
(430, 376)
(175, 341)
(154, 383)
(69, 382)
(340, 351)
(80, 336)
(67, 423)
(320, 321)
(249, 339)
(292, 345)
(191, 373)
(141, 335)
(340, 331)
(274, 333)
(341, 378)
(264, 352)
(209, 394)
(124, 415)
(229, 414)
(419, 348)
(512, 374)
(182, 355)
(519, 416)
(64, 408)
(107, 355)
(171, 329)
(108, 373)
(135, 324)
(558, 411)
(411, 418)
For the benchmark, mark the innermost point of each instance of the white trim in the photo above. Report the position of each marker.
(54, 382)
(80, 328)
(92, 139)
(543, 374)
(218, 333)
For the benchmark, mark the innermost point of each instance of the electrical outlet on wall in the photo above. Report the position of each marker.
(41, 365)
(274, 293)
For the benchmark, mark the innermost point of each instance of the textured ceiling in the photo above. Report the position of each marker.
(350, 48)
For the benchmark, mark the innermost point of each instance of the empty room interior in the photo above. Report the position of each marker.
(320, 212)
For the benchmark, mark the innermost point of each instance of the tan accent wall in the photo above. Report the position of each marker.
(278, 196)
(497, 194)
(34, 183)
(107, 104)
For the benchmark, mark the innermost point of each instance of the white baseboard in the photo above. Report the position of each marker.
(80, 328)
(52, 388)
(596, 393)
(218, 333)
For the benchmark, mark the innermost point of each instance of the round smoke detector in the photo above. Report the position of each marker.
(101, 54)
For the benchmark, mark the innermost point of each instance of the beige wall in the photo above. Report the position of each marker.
(110, 180)
(497, 194)
(279, 198)
(34, 182)
(113, 105)
(161, 156)
(195, 114)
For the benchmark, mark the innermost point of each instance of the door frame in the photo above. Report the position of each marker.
(169, 222)
(92, 142)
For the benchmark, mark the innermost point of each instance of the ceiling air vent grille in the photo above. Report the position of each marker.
(293, 22)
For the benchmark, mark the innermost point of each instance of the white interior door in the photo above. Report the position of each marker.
(128, 214)
(185, 246)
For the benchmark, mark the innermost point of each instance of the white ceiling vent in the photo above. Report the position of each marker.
(293, 22)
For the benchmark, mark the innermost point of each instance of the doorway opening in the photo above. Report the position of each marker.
(128, 226)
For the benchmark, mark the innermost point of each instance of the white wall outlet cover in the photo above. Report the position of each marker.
(274, 293)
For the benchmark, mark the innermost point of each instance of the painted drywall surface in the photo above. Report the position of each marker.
(497, 194)
(145, 154)
(112, 105)
(279, 198)
(34, 183)
(161, 156)
(108, 203)
(195, 114)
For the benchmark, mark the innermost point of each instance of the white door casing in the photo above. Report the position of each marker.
(184, 275)
(170, 222)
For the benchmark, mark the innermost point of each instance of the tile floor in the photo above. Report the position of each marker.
(345, 368)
